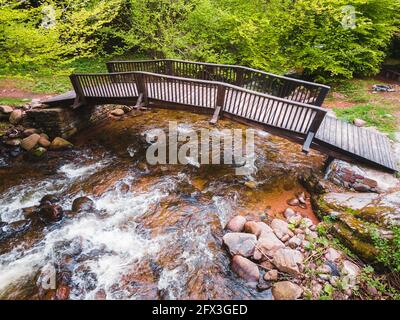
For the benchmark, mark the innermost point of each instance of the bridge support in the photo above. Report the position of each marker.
(307, 143)
(140, 105)
(215, 117)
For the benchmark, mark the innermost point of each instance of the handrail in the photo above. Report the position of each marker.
(257, 80)
(272, 111)
(266, 95)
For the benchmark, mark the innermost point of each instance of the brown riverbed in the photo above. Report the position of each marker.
(160, 234)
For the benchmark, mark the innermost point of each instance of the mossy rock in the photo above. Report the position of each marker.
(354, 226)
(362, 248)
(38, 152)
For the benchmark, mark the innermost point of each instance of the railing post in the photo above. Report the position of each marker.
(221, 89)
(312, 131)
(239, 77)
(321, 96)
(142, 87)
(110, 67)
(80, 96)
(208, 72)
(169, 67)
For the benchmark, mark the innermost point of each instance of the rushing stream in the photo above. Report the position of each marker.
(156, 233)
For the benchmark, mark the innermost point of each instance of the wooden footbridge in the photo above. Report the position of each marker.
(284, 106)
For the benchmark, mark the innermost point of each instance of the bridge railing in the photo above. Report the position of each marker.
(247, 78)
(200, 95)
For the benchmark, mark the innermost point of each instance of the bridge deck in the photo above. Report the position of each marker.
(341, 137)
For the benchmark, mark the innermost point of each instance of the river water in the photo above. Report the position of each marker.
(158, 229)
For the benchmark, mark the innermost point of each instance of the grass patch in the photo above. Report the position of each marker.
(52, 81)
(375, 116)
(355, 90)
(13, 101)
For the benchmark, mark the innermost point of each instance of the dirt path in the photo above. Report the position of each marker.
(8, 89)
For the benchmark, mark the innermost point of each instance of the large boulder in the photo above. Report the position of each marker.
(236, 224)
(30, 142)
(286, 290)
(240, 243)
(288, 260)
(60, 144)
(246, 269)
(357, 216)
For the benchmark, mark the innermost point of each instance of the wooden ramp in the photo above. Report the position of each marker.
(361, 144)
(290, 108)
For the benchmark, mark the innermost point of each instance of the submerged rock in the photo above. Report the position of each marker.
(246, 269)
(50, 213)
(286, 290)
(62, 293)
(13, 229)
(240, 243)
(293, 202)
(83, 204)
(49, 199)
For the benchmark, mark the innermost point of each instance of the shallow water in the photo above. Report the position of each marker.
(159, 234)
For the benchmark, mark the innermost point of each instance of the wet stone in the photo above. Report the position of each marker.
(50, 213)
(49, 199)
(14, 229)
(83, 204)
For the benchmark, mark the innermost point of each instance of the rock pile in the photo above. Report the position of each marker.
(287, 256)
(18, 140)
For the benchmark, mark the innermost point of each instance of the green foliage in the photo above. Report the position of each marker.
(12, 101)
(275, 35)
(39, 35)
(372, 280)
(389, 250)
(374, 115)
